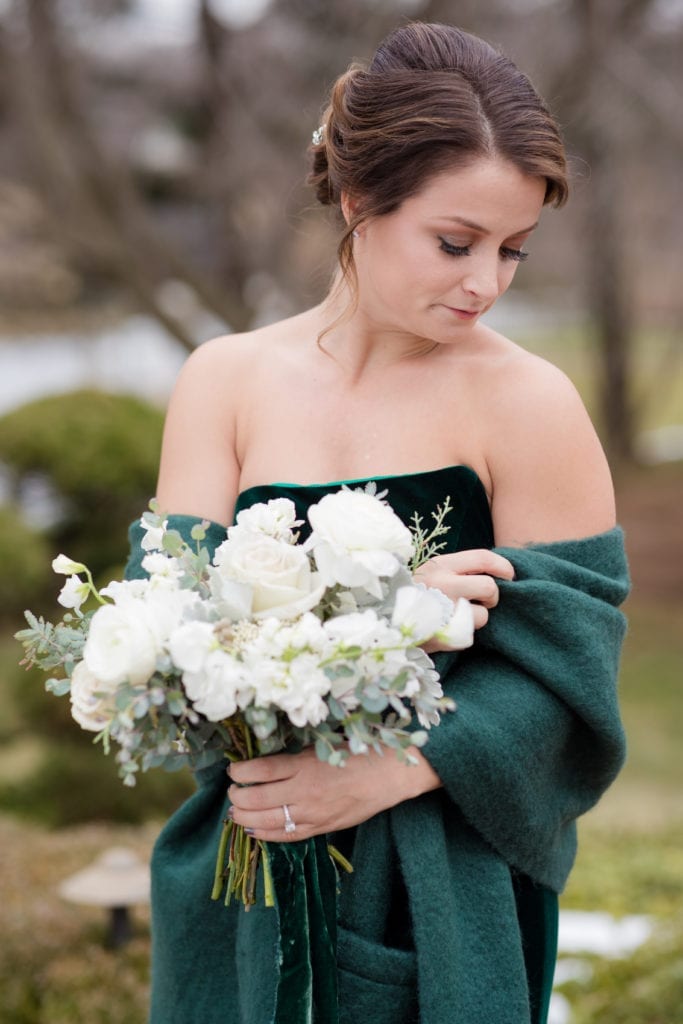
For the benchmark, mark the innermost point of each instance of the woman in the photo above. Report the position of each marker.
(439, 158)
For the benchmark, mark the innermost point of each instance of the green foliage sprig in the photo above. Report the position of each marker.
(426, 544)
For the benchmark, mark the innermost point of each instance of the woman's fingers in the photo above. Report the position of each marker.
(471, 574)
(480, 589)
(479, 561)
(270, 824)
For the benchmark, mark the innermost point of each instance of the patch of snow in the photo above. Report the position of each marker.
(559, 1011)
(600, 933)
(662, 445)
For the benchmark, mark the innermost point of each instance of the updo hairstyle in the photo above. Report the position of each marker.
(433, 98)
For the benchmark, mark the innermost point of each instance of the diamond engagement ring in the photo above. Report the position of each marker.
(289, 823)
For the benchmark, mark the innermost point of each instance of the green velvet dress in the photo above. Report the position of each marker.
(451, 912)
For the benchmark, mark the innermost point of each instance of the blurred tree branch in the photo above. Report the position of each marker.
(89, 193)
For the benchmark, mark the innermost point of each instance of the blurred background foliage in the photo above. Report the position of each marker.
(151, 195)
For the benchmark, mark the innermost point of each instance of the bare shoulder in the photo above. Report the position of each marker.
(551, 480)
(200, 471)
(219, 374)
(218, 362)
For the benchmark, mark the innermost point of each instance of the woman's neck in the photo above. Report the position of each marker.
(359, 343)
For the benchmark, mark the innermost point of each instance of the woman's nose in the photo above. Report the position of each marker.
(482, 279)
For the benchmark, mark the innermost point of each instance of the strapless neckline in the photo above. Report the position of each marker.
(380, 478)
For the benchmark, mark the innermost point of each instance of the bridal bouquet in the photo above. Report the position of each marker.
(270, 644)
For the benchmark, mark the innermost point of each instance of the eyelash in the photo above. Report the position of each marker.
(518, 255)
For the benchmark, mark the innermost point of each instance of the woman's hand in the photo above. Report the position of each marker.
(471, 574)
(321, 798)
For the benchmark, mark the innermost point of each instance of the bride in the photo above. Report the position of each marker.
(439, 158)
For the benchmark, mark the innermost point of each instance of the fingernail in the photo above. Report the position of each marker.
(231, 811)
(249, 831)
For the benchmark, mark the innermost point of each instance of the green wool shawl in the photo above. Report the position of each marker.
(535, 740)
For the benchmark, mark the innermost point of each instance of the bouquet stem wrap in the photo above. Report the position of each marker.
(305, 884)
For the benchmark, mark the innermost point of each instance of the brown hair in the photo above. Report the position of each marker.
(433, 98)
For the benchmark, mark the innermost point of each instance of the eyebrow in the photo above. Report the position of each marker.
(484, 231)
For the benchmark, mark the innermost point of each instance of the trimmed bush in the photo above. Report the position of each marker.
(99, 453)
(25, 561)
(76, 783)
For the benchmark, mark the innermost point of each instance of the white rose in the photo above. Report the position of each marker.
(276, 518)
(357, 540)
(73, 593)
(120, 645)
(92, 702)
(279, 574)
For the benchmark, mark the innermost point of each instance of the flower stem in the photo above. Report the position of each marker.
(340, 858)
(268, 887)
(219, 874)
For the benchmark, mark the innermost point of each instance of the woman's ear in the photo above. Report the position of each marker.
(350, 209)
(347, 206)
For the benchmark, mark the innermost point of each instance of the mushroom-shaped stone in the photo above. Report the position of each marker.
(118, 879)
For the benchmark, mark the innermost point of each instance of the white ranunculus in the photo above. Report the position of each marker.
(66, 566)
(279, 574)
(121, 645)
(214, 689)
(92, 702)
(165, 607)
(73, 593)
(275, 518)
(357, 540)
(190, 645)
(458, 631)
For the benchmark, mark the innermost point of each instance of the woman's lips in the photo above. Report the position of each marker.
(464, 314)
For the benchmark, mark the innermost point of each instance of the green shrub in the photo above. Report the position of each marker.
(76, 783)
(25, 561)
(100, 454)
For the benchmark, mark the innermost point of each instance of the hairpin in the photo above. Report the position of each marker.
(318, 135)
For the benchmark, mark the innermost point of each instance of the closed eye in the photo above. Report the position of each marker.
(506, 252)
(454, 250)
(513, 254)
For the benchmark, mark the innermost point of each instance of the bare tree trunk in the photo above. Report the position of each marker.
(607, 288)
